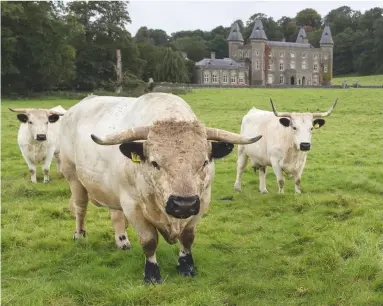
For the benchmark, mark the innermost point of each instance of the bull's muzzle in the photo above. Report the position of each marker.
(41, 137)
(305, 146)
(182, 207)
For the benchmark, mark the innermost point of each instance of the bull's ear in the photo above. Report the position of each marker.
(22, 118)
(53, 118)
(220, 149)
(285, 121)
(318, 123)
(133, 150)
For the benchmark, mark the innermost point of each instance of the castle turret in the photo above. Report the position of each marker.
(327, 46)
(235, 39)
(258, 41)
(302, 36)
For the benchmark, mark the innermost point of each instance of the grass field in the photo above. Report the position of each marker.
(323, 247)
(364, 80)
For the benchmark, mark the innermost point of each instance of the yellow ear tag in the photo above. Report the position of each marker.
(316, 125)
(135, 158)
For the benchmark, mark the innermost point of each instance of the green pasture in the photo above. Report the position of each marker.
(323, 247)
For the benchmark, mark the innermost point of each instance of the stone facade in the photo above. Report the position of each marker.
(293, 63)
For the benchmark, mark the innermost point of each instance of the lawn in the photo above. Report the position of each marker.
(323, 247)
(363, 80)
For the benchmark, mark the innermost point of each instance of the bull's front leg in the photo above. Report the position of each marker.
(148, 237)
(47, 164)
(185, 260)
(118, 221)
(30, 163)
(279, 174)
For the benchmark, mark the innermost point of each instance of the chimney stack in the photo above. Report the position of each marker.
(212, 55)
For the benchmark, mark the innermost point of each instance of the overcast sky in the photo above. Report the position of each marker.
(176, 15)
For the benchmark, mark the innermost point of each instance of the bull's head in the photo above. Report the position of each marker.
(302, 125)
(37, 120)
(176, 157)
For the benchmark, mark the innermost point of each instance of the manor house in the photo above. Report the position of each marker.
(293, 63)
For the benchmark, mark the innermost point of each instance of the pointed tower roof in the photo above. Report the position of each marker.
(258, 31)
(326, 36)
(301, 35)
(235, 33)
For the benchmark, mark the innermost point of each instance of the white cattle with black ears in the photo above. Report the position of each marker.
(286, 140)
(38, 137)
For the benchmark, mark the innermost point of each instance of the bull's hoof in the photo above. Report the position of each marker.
(186, 265)
(123, 243)
(264, 191)
(79, 234)
(46, 181)
(237, 187)
(33, 181)
(152, 273)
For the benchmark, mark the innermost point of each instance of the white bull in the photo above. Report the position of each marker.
(38, 137)
(147, 159)
(286, 140)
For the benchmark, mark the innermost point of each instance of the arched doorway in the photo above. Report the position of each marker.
(303, 81)
(292, 80)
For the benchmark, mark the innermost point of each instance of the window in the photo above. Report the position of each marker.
(215, 77)
(315, 67)
(206, 77)
(247, 54)
(292, 54)
(225, 78)
(257, 65)
(315, 80)
(304, 65)
(316, 56)
(270, 79)
(299, 81)
(233, 78)
(282, 54)
(281, 79)
(325, 69)
(281, 66)
(241, 78)
(292, 65)
(304, 54)
(257, 52)
(326, 56)
(309, 81)
(240, 53)
(270, 67)
(270, 54)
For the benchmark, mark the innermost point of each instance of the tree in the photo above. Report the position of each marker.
(172, 68)
(288, 27)
(194, 47)
(309, 17)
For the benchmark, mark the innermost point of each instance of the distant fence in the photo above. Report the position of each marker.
(191, 86)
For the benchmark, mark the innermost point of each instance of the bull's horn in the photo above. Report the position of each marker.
(279, 114)
(325, 114)
(139, 133)
(56, 113)
(222, 135)
(19, 110)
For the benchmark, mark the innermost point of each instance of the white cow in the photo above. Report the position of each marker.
(286, 140)
(38, 137)
(147, 159)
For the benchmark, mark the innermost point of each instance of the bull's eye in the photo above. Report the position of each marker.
(294, 128)
(312, 128)
(155, 165)
(30, 122)
(205, 163)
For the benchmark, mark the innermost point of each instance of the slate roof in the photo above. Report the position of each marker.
(258, 32)
(301, 35)
(226, 63)
(326, 36)
(235, 33)
(289, 44)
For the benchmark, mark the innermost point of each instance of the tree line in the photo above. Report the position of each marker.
(56, 45)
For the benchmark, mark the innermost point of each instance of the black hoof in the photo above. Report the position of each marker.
(255, 169)
(152, 273)
(186, 265)
(80, 233)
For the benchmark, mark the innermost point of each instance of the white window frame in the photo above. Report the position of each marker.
(270, 79)
(281, 79)
(315, 56)
(256, 52)
(233, 78)
(325, 68)
(206, 77)
(292, 64)
(304, 65)
(241, 78)
(326, 56)
(225, 78)
(282, 54)
(214, 77)
(304, 54)
(315, 67)
(292, 55)
(281, 66)
(257, 65)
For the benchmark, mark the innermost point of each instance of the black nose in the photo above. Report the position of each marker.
(41, 137)
(182, 207)
(305, 146)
